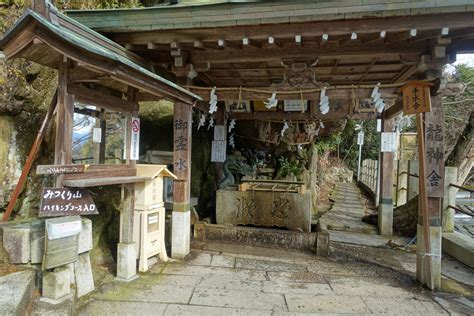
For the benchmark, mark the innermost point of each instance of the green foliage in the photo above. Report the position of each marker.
(349, 150)
(289, 167)
(96, 4)
(329, 144)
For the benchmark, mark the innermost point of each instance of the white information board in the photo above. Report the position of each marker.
(218, 153)
(379, 125)
(389, 142)
(63, 227)
(219, 132)
(360, 138)
(295, 105)
(135, 139)
(97, 135)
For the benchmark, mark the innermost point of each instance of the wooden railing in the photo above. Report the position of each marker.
(369, 174)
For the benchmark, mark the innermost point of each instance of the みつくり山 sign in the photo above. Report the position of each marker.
(65, 202)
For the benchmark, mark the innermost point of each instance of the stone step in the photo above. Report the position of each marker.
(16, 291)
(459, 246)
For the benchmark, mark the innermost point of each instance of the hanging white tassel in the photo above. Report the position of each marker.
(202, 121)
(321, 124)
(324, 102)
(379, 103)
(231, 141)
(213, 101)
(272, 101)
(211, 123)
(231, 125)
(285, 127)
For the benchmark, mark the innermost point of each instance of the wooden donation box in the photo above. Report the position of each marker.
(265, 204)
(149, 218)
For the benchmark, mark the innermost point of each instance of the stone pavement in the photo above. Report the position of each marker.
(225, 283)
(347, 211)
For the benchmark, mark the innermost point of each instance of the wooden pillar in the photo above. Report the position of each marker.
(451, 176)
(385, 208)
(103, 139)
(126, 250)
(64, 120)
(402, 182)
(413, 186)
(219, 166)
(181, 225)
(429, 264)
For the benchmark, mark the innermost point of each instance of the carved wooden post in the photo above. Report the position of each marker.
(386, 186)
(429, 264)
(181, 225)
(64, 120)
(126, 249)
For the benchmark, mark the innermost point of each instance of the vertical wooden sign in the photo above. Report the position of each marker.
(434, 146)
(182, 141)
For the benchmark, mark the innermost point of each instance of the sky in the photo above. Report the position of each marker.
(467, 59)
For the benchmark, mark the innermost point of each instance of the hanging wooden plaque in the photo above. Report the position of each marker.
(416, 97)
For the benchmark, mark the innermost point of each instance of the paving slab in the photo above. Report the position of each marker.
(199, 259)
(231, 284)
(170, 279)
(238, 299)
(253, 264)
(122, 308)
(223, 261)
(297, 288)
(355, 288)
(303, 277)
(136, 292)
(193, 310)
(326, 304)
(403, 306)
(206, 271)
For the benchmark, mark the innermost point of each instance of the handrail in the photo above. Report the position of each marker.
(410, 174)
(460, 210)
(462, 188)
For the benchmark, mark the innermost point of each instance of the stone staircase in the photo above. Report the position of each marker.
(347, 211)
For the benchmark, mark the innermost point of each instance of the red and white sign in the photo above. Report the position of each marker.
(135, 139)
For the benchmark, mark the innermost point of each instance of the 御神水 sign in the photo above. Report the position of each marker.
(65, 202)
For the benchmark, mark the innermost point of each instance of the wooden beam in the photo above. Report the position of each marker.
(393, 111)
(308, 29)
(405, 74)
(309, 49)
(374, 60)
(84, 75)
(102, 100)
(333, 94)
(250, 42)
(273, 41)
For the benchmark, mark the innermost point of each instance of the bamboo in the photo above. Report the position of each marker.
(31, 157)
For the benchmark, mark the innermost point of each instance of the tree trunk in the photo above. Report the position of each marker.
(463, 153)
(404, 218)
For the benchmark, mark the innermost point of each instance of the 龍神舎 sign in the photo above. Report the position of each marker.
(416, 97)
(65, 202)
